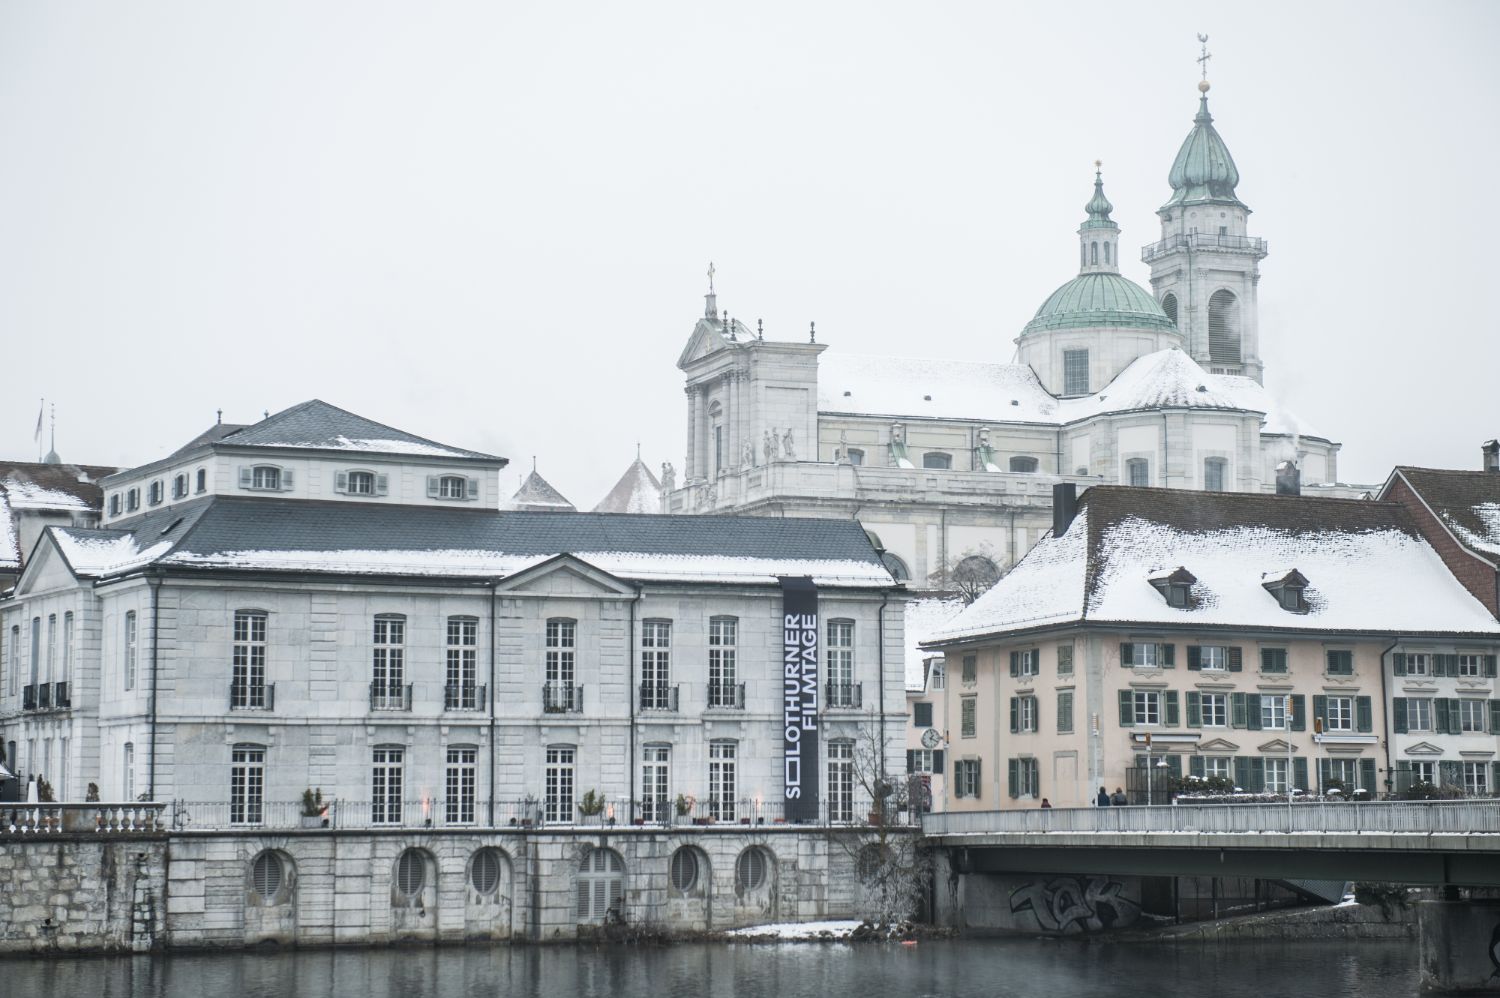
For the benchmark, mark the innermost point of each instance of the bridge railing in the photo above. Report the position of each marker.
(1409, 817)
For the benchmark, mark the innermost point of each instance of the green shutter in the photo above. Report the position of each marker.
(1015, 665)
(1398, 715)
(1174, 717)
(1367, 776)
(958, 782)
(1440, 716)
(911, 760)
(1440, 666)
(1364, 716)
(1257, 775)
(1236, 659)
(1036, 777)
(1127, 709)
(1495, 720)
(1495, 779)
(1195, 764)
(1013, 767)
(1242, 772)
(1174, 766)
(1252, 711)
(937, 760)
(1403, 776)
(1195, 658)
(1489, 666)
(1237, 710)
(1298, 720)
(1320, 710)
(1195, 710)
(1451, 773)
(1166, 655)
(1127, 653)
(978, 778)
(1015, 714)
(1299, 773)
(1324, 772)
(1398, 663)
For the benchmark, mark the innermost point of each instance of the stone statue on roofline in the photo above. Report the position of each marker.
(841, 454)
(668, 476)
(769, 447)
(787, 452)
(748, 458)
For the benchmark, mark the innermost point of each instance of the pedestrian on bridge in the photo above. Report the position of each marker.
(1118, 797)
(1103, 800)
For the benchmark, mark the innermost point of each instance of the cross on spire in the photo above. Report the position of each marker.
(1202, 60)
(710, 277)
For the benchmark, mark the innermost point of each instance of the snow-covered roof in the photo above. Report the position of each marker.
(537, 493)
(903, 387)
(1467, 502)
(923, 618)
(637, 491)
(10, 544)
(1368, 570)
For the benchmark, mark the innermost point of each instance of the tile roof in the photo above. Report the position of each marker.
(537, 493)
(637, 491)
(1468, 503)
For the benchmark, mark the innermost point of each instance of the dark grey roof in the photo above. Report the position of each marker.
(316, 424)
(1456, 496)
(78, 480)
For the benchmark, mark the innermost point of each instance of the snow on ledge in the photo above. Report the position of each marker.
(838, 929)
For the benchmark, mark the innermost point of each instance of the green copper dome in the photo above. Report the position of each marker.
(1099, 300)
(1203, 169)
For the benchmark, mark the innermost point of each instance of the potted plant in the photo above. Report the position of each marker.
(684, 805)
(592, 804)
(314, 811)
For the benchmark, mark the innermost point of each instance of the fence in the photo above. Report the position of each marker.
(1420, 817)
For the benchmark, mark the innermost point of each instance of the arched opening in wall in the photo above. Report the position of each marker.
(1169, 306)
(1026, 465)
(489, 870)
(974, 575)
(1094, 253)
(688, 874)
(409, 879)
(1223, 328)
(270, 876)
(601, 886)
(753, 871)
(895, 566)
(1106, 253)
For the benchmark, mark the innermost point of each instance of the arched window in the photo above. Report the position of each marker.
(267, 877)
(452, 487)
(752, 870)
(1169, 306)
(1094, 253)
(601, 885)
(1026, 465)
(686, 872)
(1214, 470)
(1138, 471)
(1223, 328)
(486, 871)
(265, 476)
(1106, 252)
(411, 875)
(179, 486)
(937, 459)
(155, 493)
(895, 566)
(202, 479)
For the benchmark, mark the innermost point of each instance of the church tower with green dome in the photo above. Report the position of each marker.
(1206, 267)
(1094, 326)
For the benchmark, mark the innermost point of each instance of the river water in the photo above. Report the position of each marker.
(934, 969)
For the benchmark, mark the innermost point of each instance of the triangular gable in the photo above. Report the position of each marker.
(1276, 746)
(706, 339)
(566, 575)
(46, 568)
(1422, 748)
(1218, 745)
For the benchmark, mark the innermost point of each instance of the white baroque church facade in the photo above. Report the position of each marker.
(950, 464)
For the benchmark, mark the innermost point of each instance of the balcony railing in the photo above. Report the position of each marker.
(562, 698)
(28, 697)
(658, 696)
(726, 696)
(1204, 241)
(390, 696)
(252, 696)
(464, 696)
(44, 697)
(61, 697)
(844, 695)
(97, 819)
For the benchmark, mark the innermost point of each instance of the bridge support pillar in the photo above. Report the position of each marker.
(1460, 946)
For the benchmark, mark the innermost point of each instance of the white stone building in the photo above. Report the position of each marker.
(320, 602)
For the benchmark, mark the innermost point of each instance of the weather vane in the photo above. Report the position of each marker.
(710, 277)
(1203, 59)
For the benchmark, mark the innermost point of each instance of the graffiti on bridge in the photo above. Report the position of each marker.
(1075, 905)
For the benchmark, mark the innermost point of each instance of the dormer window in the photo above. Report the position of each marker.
(202, 480)
(266, 478)
(114, 504)
(452, 487)
(1289, 588)
(179, 486)
(132, 500)
(361, 483)
(1175, 585)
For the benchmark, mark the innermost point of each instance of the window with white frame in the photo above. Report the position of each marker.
(723, 647)
(1214, 472)
(841, 780)
(656, 664)
(921, 761)
(247, 678)
(1146, 706)
(966, 778)
(15, 657)
(179, 486)
(1213, 658)
(452, 487)
(360, 483)
(841, 663)
(937, 677)
(1418, 714)
(722, 779)
(114, 504)
(387, 764)
(1028, 662)
(156, 492)
(67, 647)
(130, 649)
(655, 774)
(202, 476)
(1215, 710)
(968, 715)
(36, 652)
(247, 784)
(558, 790)
(601, 885)
(1476, 779)
(459, 785)
(1471, 665)
(127, 771)
(1141, 655)
(1340, 713)
(1273, 712)
(1418, 664)
(461, 690)
(1276, 775)
(51, 644)
(1344, 771)
(266, 477)
(1471, 715)
(562, 641)
(1025, 710)
(1138, 471)
(1216, 767)
(1424, 772)
(388, 662)
(132, 500)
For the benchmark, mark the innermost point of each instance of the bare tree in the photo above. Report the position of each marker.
(970, 575)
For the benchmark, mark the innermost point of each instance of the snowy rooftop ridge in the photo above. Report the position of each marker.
(923, 618)
(10, 547)
(1467, 503)
(537, 493)
(637, 491)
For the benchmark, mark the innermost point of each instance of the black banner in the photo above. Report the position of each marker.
(799, 658)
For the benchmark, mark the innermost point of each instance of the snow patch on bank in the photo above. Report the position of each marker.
(837, 929)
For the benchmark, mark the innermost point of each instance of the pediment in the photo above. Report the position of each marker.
(1422, 748)
(1218, 745)
(706, 340)
(46, 569)
(566, 575)
(1275, 746)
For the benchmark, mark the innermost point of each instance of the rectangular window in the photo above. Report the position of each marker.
(656, 664)
(127, 772)
(938, 678)
(562, 640)
(130, 636)
(1026, 714)
(655, 769)
(1216, 767)
(1341, 663)
(1214, 469)
(1418, 715)
(1138, 472)
(1065, 660)
(461, 690)
(722, 783)
(1424, 772)
(1476, 779)
(1471, 665)
(247, 785)
(459, 786)
(1028, 662)
(1215, 710)
(67, 647)
(921, 761)
(921, 715)
(1146, 705)
(15, 657)
(1343, 772)
(723, 653)
(265, 477)
(1276, 775)
(1273, 660)
(1418, 665)
(558, 799)
(1075, 372)
(453, 487)
(247, 682)
(1025, 778)
(970, 674)
(1213, 658)
(1340, 713)
(1273, 712)
(966, 778)
(841, 664)
(388, 664)
(51, 644)
(968, 714)
(387, 763)
(1146, 655)
(1471, 715)
(1064, 711)
(841, 781)
(360, 483)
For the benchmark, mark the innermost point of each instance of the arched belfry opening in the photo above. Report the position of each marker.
(1223, 328)
(1169, 306)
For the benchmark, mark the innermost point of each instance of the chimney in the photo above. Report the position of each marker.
(1288, 479)
(1064, 507)
(1491, 450)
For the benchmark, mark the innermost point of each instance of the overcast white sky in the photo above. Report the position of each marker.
(489, 223)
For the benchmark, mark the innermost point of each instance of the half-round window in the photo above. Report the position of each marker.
(684, 871)
(895, 566)
(485, 870)
(266, 876)
(411, 873)
(750, 869)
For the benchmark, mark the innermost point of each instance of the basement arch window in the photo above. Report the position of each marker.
(485, 870)
(683, 875)
(1223, 328)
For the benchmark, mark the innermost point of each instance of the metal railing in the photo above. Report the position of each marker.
(846, 695)
(658, 696)
(101, 819)
(61, 696)
(726, 696)
(28, 697)
(464, 696)
(1395, 817)
(1202, 241)
(390, 696)
(252, 696)
(44, 697)
(562, 698)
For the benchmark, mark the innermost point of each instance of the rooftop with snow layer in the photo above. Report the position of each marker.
(1367, 568)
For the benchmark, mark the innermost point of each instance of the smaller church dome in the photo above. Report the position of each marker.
(1094, 300)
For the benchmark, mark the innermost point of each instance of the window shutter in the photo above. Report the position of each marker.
(1299, 712)
(1237, 710)
(1127, 709)
(473, 488)
(1320, 709)
(1242, 772)
(432, 486)
(1495, 725)
(1036, 777)
(1440, 716)
(1451, 773)
(978, 786)
(1494, 777)
(1174, 766)
(1367, 775)
(1236, 660)
(341, 481)
(911, 760)
(1438, 665)
(1364, 719)
(1398, 715)
(1403, 776)
(1015, 711)
(1489, 666)
(1196, 767)
(937, 760)
(382, 485)
(1252, 711)
(1455, 718)
(1398, 664)
(1195, 658)
(245, 477)
(1127, 654)
(286, 479)
(583, 899)
(1014, 773)
(1195, 710)
(1299, 773)
(1174, 717)
(1164, 655)
(1015, 666)
(958, 781)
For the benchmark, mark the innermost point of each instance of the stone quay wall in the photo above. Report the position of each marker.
(320, 887)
